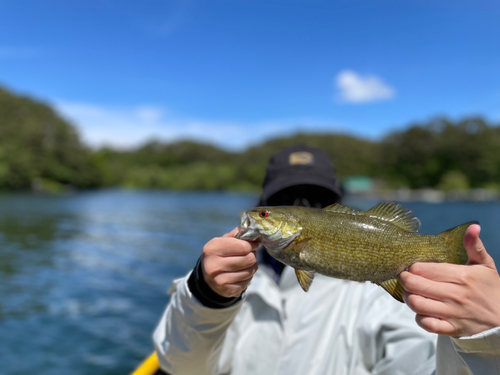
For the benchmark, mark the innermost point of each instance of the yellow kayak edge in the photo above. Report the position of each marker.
(149, 366)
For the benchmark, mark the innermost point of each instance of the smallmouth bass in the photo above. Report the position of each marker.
(341, 242)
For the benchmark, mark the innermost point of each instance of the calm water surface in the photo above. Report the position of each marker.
(83, 278)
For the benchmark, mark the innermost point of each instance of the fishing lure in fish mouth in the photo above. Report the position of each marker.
(341, 242)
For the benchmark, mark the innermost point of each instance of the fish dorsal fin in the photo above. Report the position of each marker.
(394, 288)
(396, 214)
(305, 278)
(337, 207)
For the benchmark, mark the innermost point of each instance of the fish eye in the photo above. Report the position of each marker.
(264, 214)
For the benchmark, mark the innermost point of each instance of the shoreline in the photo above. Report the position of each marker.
(429, 195)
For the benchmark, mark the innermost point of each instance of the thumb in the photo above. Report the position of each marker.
(475, 248)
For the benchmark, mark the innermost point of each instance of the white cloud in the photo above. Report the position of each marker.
(125, 128)
(354, 88)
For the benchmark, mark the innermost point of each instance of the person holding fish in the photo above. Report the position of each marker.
(241, 311)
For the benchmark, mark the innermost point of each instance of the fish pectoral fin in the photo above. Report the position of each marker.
(305, 278)
(299, 246)
(394, 288)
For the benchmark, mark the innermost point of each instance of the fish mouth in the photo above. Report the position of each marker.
(248, 231)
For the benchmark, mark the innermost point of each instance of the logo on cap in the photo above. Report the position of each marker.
(301, 157)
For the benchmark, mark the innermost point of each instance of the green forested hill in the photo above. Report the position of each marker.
(444, 154)
(35, 143)
(189, 165)
(39, 148)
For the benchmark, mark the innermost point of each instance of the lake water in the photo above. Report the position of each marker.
(83, 277)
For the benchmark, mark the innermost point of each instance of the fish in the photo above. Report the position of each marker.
(346, 243)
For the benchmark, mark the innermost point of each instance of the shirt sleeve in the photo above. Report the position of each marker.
(392, 343)
(477, 354)
(189, 337)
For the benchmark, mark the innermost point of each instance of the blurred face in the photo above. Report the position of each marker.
(303, 195)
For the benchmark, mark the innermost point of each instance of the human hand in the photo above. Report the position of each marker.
(229, 264)
(452, 299)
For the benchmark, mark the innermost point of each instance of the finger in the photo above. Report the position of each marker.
(475, 248)
(231, 264)
(423, 286)
(232, 233)
(225, 247)
(440, 272)
(229, 278)
(435, 325)
(232, 290)
(239, 247)
(426, 306)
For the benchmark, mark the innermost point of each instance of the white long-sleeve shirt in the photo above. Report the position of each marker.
(339, 327)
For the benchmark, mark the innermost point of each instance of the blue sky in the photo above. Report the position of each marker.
(235, 73)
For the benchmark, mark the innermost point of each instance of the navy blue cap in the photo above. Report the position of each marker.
(300, 165)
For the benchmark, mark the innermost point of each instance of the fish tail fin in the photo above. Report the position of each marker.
(455, 251)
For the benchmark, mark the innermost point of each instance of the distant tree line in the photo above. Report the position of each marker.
(39, 149)
(36, 143)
